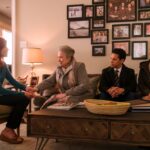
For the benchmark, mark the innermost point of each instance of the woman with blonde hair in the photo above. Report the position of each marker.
(18, 100)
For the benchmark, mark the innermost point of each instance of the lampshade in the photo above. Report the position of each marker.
(32, 56)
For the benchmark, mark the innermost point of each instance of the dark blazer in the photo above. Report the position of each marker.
(144, 78)
(127, 79)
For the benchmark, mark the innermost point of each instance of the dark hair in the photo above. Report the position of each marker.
(120, 52)
(2, 43)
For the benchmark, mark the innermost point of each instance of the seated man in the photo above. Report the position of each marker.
(118, 82)
(144, 79)
(69, 82)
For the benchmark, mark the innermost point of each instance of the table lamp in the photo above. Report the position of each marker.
(32, 57)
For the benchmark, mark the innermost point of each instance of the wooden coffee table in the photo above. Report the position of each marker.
(79, 124)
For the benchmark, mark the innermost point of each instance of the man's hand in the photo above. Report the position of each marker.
(115, 91)
(29, 94)
(31, 89)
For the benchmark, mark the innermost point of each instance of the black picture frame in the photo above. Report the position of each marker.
(144, 4)
(89, 11)
(144, 14)
(75, 11)
(137, 29)
(100, 36)
(139, 49)
(98, 50)
(97, 1)
(121, 10)
(147, 29)
(125, 45)
(99, 11)
(79, 28)
(98, 23)
(120, 31)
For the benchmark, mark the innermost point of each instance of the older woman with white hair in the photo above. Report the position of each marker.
(69, 82)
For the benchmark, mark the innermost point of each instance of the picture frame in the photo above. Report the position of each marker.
(137, 29)
(34, 81)
(147, 29)
(98, 51)
(89, 11)
(144, 3)
(139, 49)
(98, 23)
(121, 31)
(121, 10)
(75, 11)
(97, 1)
(125, 45)
(100, 36)
(144, 14)
(78, 28)
(99, 11)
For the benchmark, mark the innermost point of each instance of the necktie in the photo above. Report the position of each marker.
(116, 78)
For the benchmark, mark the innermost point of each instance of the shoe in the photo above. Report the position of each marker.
(16, 140)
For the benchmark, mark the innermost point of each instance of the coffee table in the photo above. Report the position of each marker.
(79, 124)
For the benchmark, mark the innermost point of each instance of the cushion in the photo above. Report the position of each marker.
(94, 82)
(5, 109)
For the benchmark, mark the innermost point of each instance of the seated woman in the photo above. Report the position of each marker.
(144, 79)
(18, 100)
(69, 82)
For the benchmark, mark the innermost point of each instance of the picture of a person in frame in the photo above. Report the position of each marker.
(89, 11)
(137, 30)
(144, 3)
(148, 29)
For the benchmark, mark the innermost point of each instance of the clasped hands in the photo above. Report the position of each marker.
(30, 92)
(115, 91)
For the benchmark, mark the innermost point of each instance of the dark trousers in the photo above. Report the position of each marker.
(19, 104)
(125, 97)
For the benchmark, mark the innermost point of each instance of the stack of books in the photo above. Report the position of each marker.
(141, 107)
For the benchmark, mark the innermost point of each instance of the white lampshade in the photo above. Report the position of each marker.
(32, 56)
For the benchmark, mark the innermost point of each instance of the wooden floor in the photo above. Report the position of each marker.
(29, 144)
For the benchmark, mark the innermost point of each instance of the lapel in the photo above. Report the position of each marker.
(123, 74)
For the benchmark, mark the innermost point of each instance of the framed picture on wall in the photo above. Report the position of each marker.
(139, 49)
(75, 11)
(98, 51)
(137, 29)
(100, 36)
(121, 31)
(88, 11)
(125, 45)
(147, 29)
(99, 11)
(144, 3)
(144, 14)
(98, 23)
(121, 10)
(97, 1)
(78, 28)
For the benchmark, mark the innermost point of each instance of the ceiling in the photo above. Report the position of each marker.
(5, 7)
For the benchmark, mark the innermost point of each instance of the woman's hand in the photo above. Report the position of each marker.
(30, 89)
(29, 94)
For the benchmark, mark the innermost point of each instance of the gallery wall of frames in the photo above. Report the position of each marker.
(130, 19)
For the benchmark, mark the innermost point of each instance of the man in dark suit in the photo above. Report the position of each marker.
(144, 78)
(123, 86)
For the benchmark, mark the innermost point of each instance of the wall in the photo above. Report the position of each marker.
(43, 23)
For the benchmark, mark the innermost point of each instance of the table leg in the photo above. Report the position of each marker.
(40, 143)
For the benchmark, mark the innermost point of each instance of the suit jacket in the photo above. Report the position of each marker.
(144, 78)
(127, 79)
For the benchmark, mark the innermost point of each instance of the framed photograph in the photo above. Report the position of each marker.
(144, 3)
(144, 14)
(89, 11)
(99, 11)
(75, 11)
(137, 29)
(98, 51)
(34, 81)
(98, 23)
(100, 36)
(97, 1)
(121, 10)
(147, 29)
(121, 31)
(78, 28)
(125, 45)
(139, 49)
